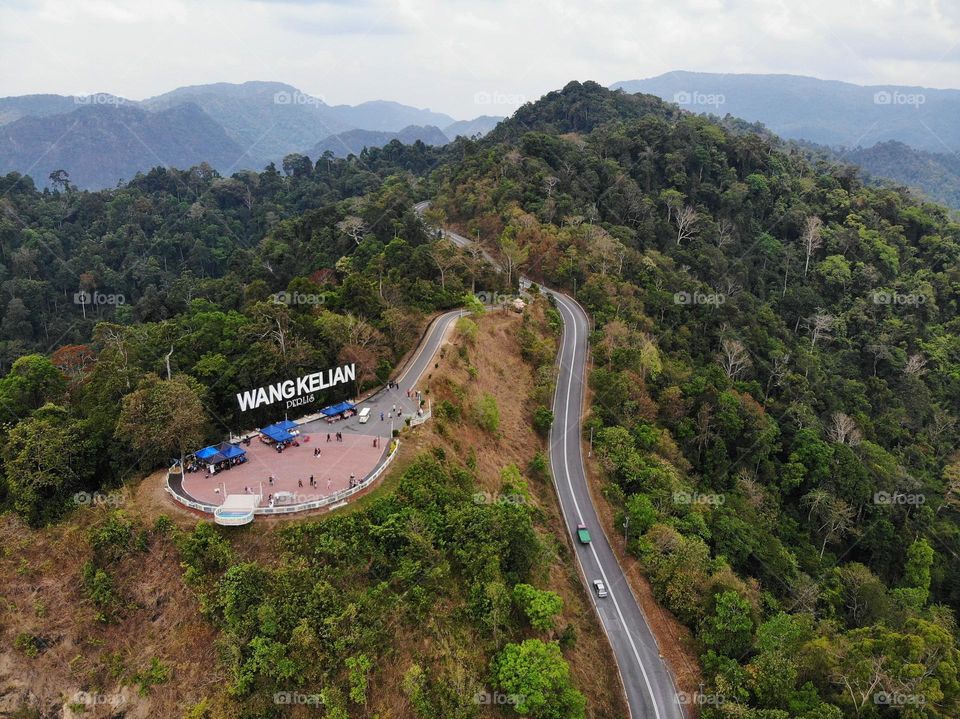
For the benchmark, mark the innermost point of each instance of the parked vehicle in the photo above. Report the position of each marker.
(364, 415)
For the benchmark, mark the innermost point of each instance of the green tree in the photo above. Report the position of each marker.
(46, 459)
(729, 629)
(540, 606)
(536, 678)
(162, 419)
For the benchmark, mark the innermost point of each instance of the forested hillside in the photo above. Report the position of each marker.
(775, 379)
(776, 382)
(215, 284)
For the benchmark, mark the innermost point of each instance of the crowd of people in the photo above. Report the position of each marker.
(197, 465)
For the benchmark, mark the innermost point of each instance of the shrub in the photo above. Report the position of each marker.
(156, 673)
(488, 413)
(542, 420)
(539, 468)
(163, 525)
(28, 644)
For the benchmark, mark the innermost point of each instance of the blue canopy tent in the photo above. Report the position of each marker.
(209, 455)
(286, 424)
(276, 433)
(336, 409)
(230, 451)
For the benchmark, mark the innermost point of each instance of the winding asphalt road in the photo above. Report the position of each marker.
(649, 687)
(648, 684)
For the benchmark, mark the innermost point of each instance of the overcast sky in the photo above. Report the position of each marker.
(463, 57)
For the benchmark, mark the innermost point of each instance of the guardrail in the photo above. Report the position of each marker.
(304, 506)
(417, 420)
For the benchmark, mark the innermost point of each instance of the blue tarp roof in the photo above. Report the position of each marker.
(286, 424)
(276, 433)
(219, 453)
(336, 409)
(206, 453)
(230, 451)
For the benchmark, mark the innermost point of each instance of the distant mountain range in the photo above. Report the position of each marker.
(937, 174)
(98, 146)
(101, 139)
(904, 133)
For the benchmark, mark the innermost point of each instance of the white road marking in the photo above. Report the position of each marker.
(566, 466)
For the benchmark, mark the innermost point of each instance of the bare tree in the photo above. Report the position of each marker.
(778, 373)
(804, 594)
(725, 233)
(353, 227)
(549, 183)
(444, 255)
(862, 685)
(942, 423)
(821, 325)
(734, 358)
(916, 365)
(686, 220)
(730, 288)
(514, 255)
(951, 483)
(843, 430)
(606, 251)
(881, 350)
(834, 516)
(811, 239)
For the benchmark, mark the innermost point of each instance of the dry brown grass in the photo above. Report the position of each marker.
(503, 373)
(40, 572)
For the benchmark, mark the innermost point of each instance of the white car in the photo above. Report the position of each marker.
(601, 590)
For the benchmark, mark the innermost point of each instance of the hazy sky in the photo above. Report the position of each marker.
(463, 57)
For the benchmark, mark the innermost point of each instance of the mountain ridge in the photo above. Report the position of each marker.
(263, 121)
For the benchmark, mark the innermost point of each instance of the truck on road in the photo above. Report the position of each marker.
(583, 534)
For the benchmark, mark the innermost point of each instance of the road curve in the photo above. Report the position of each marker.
(648, 684)
(651, 693)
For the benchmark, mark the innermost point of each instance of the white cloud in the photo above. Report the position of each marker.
(443, 54)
